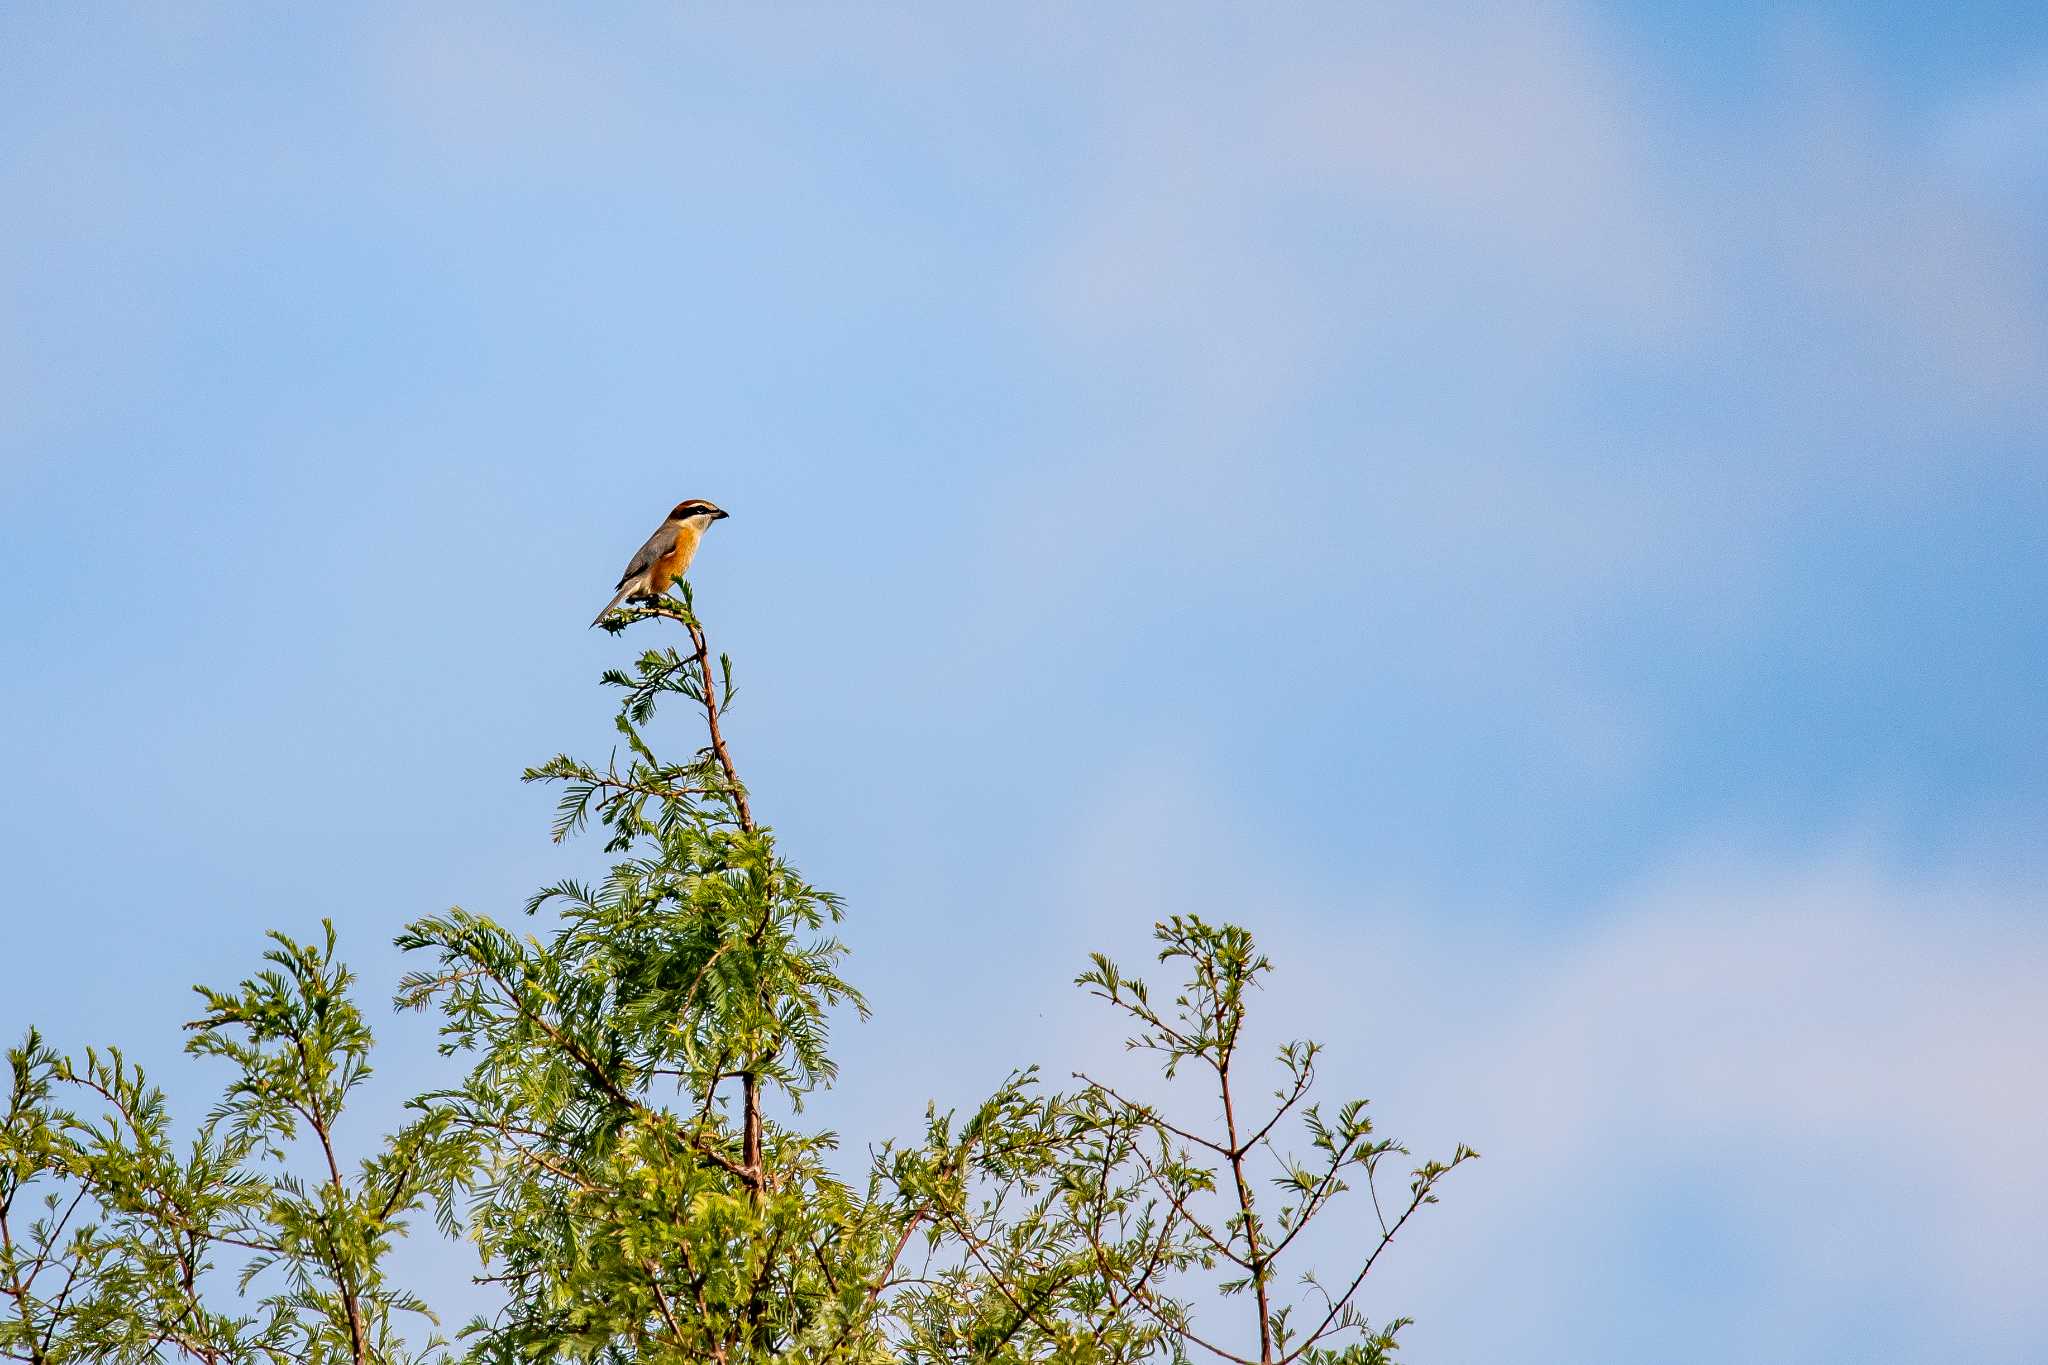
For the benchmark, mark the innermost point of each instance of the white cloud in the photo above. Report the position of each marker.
(1915, 292)
(1829, 1061)
(1488, 332)
(1257, 208)
(1841, 1059)
(1522, 199)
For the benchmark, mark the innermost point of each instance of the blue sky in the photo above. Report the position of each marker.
(1538, 513)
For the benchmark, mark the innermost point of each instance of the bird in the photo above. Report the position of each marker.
(667, 554)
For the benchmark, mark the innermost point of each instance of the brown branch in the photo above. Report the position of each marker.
(750, 1137)
(1156, 1255)
(883, 1277)
(1258, 1264)
(1151, 1115)
(755, 1174)
(1303, 1080)
(1313, 1202)
(549, 1164)
(1142, 1296)
(1178, 1202)
(1386, 1240)
(19, 1292)
(688, 621)
(569, 1045)
(973, 1245)
(910, 1226)
(661, 1302)
(598, 1076)
(697, 1292)
(357, 1346)
(1180, 1328)
(70, 1276)
(613, 781)
(44, 1257)
(739, 793)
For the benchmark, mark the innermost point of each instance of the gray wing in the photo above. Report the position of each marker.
(658, 544)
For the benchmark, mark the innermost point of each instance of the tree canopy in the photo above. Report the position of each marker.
(626, 1148)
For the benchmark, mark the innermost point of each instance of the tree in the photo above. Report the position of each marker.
(626, 1147)
(121, 1263)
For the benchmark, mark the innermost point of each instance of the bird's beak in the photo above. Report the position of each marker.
(720, 516)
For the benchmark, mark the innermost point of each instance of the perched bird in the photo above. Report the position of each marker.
(667, 554)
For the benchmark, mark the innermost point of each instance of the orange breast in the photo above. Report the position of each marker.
(673, 565)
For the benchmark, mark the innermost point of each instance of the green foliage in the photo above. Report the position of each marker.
(1247, 1237)
(625, 1148)
(122, 1263)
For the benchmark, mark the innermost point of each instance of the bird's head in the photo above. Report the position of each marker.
(698, 510)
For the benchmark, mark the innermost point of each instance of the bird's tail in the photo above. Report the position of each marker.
(620, 597)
